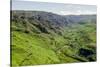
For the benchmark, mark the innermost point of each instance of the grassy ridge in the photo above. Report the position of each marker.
(32, 45)
(26, 48)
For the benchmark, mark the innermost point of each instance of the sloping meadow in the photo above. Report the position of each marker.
(58, 39)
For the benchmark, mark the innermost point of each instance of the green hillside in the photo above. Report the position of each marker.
(36, 42)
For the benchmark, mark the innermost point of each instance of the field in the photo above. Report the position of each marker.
(37, 41)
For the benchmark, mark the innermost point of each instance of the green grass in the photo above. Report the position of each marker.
(32, 48)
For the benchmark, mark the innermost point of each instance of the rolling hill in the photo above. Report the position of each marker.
(40, 37)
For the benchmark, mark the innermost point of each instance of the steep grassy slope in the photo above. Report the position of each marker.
(36, 41)
(31, 49)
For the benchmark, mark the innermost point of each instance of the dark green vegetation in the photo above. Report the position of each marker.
(46, 38)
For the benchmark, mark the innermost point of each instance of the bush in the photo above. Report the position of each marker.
(27, 31)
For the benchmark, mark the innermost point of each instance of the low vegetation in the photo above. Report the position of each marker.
(36, 42)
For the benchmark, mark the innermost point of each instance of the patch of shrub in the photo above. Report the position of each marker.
(27, 31)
